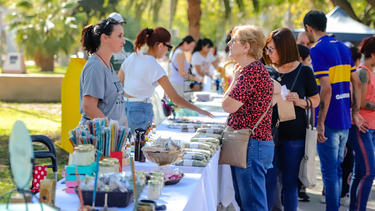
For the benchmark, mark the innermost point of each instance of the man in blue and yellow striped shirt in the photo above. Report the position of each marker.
(334, 70)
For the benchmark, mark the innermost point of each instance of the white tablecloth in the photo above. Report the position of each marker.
(187, 195)
(201, 189)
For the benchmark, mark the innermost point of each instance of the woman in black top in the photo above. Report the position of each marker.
(281, 55)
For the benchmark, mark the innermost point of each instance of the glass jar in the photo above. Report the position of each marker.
(83, 156)
(115, 161)
(106, 167)
(153, 190)
(92, 149)
(160, 179)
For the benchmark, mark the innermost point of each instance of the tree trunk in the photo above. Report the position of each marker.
(194, 17)
(156, 8)
(371, 2)
(46, 62)
(346, 7)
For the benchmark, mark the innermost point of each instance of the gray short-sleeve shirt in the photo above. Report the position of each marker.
(98, 81)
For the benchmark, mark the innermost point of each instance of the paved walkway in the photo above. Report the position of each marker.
(315, 195)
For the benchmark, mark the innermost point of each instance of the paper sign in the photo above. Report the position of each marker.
(284, 92)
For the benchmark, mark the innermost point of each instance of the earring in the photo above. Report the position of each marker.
(159, 49)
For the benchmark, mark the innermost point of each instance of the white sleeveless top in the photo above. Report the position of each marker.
(175, 76)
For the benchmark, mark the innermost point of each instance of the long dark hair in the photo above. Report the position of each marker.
(367, 47)
(188, 39)
(201, 43)
(90, 37)
(151, 37)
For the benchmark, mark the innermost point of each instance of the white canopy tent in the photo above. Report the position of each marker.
(344, 28)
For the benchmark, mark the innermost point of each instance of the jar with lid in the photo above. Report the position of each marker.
(116, 163)
(83, 156)
(106, 167)
(153, 190)
(92, 149)
(160, 179)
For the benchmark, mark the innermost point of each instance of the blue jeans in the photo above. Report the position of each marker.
(138, 114)
(290, 156)
(249, 184)
(364, 167)
(331, 154)
(271, 181)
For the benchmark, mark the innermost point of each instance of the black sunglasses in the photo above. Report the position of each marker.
(110, 20)
(169, 46)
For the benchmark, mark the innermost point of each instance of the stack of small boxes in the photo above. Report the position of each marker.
(71, 178)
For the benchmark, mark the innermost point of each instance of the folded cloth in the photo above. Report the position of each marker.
(185, 129)
(196, 145)
(196, 156)
(39, 174)
(210, 131)
(196, 163)
(205, 135)
(213, 126)
(206, 140)
(206, 152)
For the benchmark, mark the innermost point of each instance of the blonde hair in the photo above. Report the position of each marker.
(254, 36)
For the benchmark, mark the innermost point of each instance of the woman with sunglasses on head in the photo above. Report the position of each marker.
(180, 66)
(141, 74)
(202, 59)
(101, 93)
(281, 54)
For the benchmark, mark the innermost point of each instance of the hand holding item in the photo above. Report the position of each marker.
(293, 96)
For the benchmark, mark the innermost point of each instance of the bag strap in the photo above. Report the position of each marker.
(294, 82)
(264, 114)
(309, 114)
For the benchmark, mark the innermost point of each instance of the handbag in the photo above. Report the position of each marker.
(307, 169)
(235, 143)
(286, 109)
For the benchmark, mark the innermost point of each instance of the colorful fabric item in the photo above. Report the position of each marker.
(39, 174)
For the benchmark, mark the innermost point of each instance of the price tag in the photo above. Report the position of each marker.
(188, 162)
(191, 130)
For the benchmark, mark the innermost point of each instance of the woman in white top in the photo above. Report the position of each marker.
(202, 59)
(180, 66)
(141, 74)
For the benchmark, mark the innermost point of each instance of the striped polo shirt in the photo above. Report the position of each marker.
(332, 58)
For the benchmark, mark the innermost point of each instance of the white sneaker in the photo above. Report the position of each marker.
(323, 199)
(345, 201)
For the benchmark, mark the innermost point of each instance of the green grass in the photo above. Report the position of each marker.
(33, 69)
(40, 119)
